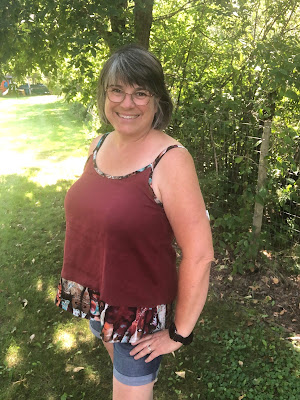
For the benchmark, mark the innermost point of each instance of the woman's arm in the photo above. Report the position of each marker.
(177, 183)
(185, 209)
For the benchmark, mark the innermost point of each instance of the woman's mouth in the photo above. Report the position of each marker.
(125, 116)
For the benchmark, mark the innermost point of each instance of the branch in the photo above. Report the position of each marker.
(184, 72)
(224, 83)
(294, 28)
(182, 8)
(269, 26)
(255, 25)
(289, 19)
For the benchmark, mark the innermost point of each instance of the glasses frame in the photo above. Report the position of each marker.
(131, 96)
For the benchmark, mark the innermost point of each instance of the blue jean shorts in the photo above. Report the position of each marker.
(126, 369)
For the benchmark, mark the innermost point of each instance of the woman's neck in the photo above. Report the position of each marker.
(122, 141)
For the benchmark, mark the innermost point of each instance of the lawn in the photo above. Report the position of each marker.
(48, 354)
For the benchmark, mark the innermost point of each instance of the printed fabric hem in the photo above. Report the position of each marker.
(120, 324)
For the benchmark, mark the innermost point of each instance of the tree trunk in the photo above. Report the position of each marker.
(118, 21)
(262, 176)
(143, 21)
(214, 149)
(114, 39)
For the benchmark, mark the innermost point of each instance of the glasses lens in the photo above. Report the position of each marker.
(140, 97)
(115, 95)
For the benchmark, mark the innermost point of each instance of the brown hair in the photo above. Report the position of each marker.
(134, 65)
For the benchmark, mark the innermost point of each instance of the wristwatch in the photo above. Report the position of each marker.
(178, 338)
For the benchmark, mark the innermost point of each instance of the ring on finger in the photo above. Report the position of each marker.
(149, 348)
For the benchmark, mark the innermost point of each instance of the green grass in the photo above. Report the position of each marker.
(48, 354)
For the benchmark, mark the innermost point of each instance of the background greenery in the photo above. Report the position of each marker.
(231, 66)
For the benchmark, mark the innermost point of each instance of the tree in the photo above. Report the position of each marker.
(240, 73)
(233, 71)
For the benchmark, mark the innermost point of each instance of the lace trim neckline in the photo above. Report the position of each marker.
(151, 165)
(95, 152)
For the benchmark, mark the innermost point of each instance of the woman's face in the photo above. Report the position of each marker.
(126, 117)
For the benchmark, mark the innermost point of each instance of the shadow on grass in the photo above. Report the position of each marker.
(42, 349)
(48, 354)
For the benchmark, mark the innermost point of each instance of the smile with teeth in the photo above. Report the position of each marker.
(127, 116)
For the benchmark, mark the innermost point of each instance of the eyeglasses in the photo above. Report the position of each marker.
(139, 97)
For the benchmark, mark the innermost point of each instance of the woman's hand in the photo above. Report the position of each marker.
(155, 345)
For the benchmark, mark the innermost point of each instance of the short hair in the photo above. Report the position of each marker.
(134, 65)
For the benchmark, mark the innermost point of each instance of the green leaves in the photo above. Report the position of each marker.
(261, 195)
(290, 94)
(239, 159)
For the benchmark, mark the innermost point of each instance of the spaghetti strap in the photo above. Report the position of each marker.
(100, 142)
(161, 154)
(154, 164)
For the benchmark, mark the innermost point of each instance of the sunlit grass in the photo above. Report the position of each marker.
(36, 132)
(39, 285)
(42, 151)
(92, 376)
(29, 195)
(50, 170)
(50, 293)
(72, 335)
(13, 357)
(66, 340)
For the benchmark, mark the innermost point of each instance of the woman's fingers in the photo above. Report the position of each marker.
(154, 345)
(144, 339)
(142, 349)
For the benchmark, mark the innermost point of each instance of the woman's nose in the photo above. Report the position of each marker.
(128, 100)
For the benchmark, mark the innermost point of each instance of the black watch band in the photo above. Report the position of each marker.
(178, 338)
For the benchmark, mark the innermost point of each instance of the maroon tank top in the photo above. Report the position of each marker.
(118, 238)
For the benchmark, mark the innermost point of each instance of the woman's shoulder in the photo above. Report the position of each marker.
(173, 154)
(164, 141)
(168, 143)
(94, 143)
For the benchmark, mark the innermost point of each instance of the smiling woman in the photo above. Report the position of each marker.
(127, 114)
(138, 192)
(142, 70)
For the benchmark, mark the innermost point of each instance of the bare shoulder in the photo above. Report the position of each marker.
(161, 142)
(176, 158)
(167, 140)
(93, 144)
(174, 172)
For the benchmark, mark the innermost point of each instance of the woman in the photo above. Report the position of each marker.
(139, 189)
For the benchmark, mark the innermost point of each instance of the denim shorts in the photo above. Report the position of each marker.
(126, 369)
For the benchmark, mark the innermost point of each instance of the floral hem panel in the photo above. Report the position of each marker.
(120, 324)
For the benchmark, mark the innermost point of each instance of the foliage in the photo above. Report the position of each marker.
(264, 376)
(230, 66)
(236, 67)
